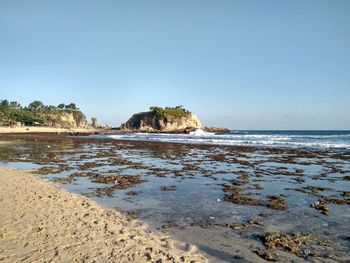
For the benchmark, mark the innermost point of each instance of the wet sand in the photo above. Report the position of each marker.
(42, 223)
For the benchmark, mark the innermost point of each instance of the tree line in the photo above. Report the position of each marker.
(178, 111)
(12, 112)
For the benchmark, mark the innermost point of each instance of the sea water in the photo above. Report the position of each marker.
(267, 138)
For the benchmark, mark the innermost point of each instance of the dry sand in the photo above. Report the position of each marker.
(42, 223)
(43, 129)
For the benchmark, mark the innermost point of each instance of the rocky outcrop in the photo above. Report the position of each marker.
(151, 122)
(39, 114)
(94, 123)
(216, 129)
(72, 120)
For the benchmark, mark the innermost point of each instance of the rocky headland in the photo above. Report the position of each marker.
(157, 119)
(13, 114)
(39, 116)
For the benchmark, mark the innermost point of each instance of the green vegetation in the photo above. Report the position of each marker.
(174, 112)
(36, 113)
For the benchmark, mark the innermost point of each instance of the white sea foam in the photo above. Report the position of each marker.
(341, 141)
(200, 132)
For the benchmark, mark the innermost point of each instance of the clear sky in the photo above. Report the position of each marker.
(239, 64)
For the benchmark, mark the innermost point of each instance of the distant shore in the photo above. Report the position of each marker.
(46, 130)
(40, 222)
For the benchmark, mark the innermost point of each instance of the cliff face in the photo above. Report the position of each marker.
(39, 114)
(72, 120)
(150, 122)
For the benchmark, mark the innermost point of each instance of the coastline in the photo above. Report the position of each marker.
(190, 199)
(103, 136)
(45, 223)
(9, 130)
(83, 137)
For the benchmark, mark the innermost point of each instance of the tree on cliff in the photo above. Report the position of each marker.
(15, 105)
(36, 106)
(178, 111)
(71, 106)
(61, 106)
(4, 105)
(12, 113)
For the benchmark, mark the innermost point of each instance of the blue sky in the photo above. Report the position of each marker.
(239, 64)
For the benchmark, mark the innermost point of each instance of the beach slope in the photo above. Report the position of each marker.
(42, 223)
(46, 130)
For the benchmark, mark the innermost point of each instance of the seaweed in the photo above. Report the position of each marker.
(321, 207)
(250, 223)
(46, 170)
(266, 254)
(290, 243)
(273, 201)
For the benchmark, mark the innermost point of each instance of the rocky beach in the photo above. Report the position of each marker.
(232, 203)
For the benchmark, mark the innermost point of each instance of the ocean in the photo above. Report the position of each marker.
(262, 138)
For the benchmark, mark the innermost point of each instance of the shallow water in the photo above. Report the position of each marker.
(183, 185)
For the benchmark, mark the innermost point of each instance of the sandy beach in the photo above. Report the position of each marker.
(42, 223)
(44, 130)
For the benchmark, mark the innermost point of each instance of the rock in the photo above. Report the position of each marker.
(216, 129)
(346, 194)
(168, 188)
(94, 123)
(163, 120)
(72, 120)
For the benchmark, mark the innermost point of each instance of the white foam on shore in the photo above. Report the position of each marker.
(200, 132)
(275, 140)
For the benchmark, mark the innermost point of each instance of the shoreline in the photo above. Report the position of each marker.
(14, 130)
(96, 135)
(45, 223)
(82, 137)
(97, 170)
